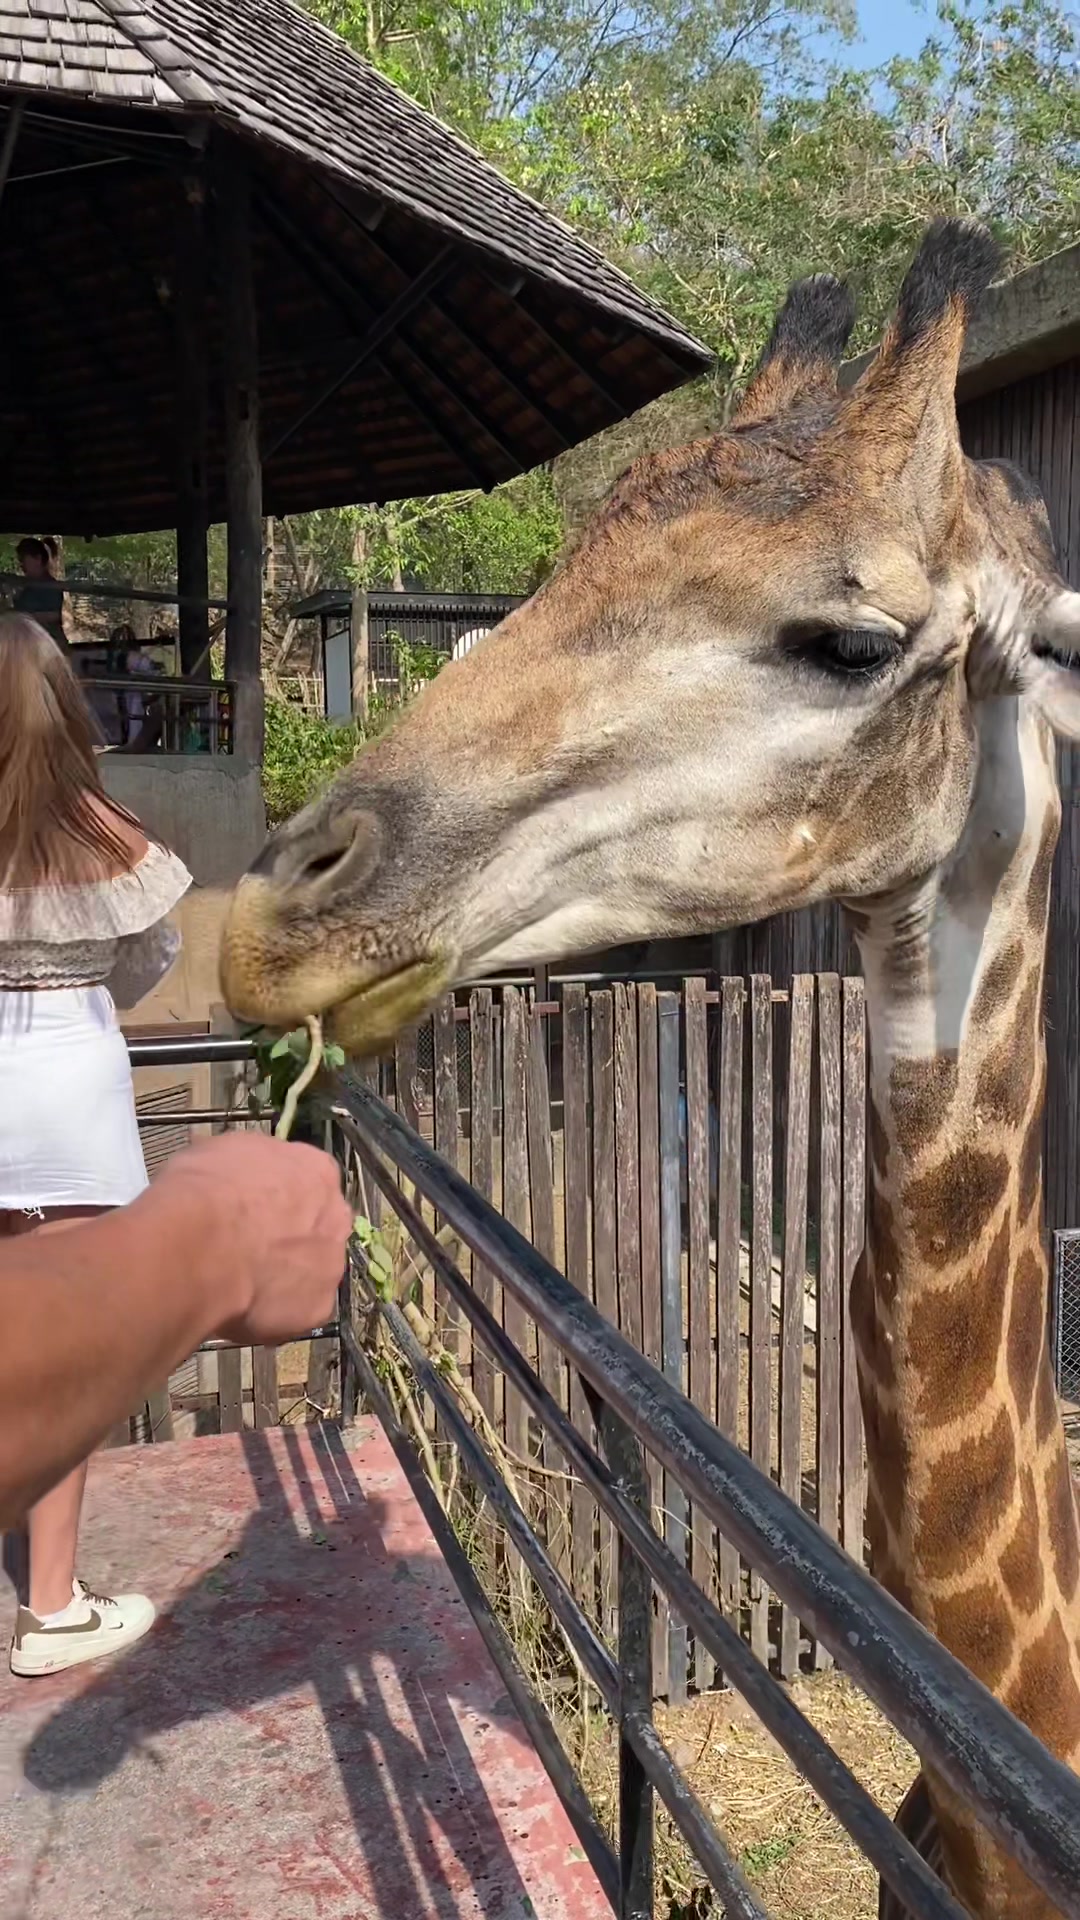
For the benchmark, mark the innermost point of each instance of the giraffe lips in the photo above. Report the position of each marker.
(366, 1022)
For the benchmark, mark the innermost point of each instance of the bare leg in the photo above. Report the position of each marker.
(54, 1537)
(53, 1524)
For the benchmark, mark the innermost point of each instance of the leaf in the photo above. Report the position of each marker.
(281, 1046)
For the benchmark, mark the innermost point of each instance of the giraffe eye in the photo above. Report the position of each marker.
(852, 650)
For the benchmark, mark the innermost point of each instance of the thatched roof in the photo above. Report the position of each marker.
(521, 341)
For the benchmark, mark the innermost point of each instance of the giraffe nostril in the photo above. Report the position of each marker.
(321, 863)
(348, 852)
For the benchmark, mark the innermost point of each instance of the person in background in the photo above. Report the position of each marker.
(42, 597)
(84, 899)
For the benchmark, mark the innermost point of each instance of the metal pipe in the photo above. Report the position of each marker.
(1028, 1800)
(874, 1833)
(190, 1050)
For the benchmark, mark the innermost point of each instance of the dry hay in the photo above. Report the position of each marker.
(795, 1854)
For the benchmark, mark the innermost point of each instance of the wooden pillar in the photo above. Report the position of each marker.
(358, 620)
(243, 465)
(192, 399)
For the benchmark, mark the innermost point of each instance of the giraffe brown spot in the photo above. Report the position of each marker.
(1047, 1411)
(971, 1489)
(1021, 1562)
(920, 1095)
(1038, 890)
(888, 1451)
(997, 983)
(1031, 1164)
(956, 1335)
(964, 1852)
(1003, 1089)
(879, 1142)
(977, 1627)
(894, 1580)
(1044, 1694)
(1061, 1516)
(1027, 1328)
(882, 1253)
(949, 1205)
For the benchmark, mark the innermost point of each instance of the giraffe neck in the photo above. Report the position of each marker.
(971, 1517)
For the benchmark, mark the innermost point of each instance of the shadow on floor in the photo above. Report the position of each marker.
(275, 1617)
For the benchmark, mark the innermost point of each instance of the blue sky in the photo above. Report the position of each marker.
(889, 27)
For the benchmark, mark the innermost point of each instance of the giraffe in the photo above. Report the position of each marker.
(819, 655)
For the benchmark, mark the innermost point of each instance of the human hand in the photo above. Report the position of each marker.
(272, 1226)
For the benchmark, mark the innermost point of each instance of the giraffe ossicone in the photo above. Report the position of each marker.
(818, 655)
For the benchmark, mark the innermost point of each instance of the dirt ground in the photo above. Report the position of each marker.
(794, 1853)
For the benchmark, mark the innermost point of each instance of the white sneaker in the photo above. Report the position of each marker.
(102, 1625)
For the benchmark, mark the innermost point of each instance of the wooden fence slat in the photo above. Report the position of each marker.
(627, 1169)
(542, 1204)
(829, 1311)
(761, 1256)
(675, 1504)
(405, 1099)
(853, 1459)
(729, 1254)
(793, 1274)
(604, 1254)
(482, 1141)
(651, 1318)
(264, 1386)
(575, 1068)
(231, 1390)
(702, 1370)
(444, 1053)
(515, 1195)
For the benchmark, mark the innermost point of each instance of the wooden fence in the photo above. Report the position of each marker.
(694, 1161)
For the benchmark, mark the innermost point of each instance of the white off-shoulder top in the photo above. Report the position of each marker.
(111, 933)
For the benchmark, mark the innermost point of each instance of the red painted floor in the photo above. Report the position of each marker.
(313, 1730)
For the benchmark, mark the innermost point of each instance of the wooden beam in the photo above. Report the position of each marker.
(355, 306)
(192, 404)
(559, 425)
(11, 138)
(243, 465)
(380, 330)
(115, 590)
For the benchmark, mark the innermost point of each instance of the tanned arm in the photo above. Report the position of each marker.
(242, 1237)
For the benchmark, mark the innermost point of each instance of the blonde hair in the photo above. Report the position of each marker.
(56, 821)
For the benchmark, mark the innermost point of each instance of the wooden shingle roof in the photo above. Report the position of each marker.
(533, 333)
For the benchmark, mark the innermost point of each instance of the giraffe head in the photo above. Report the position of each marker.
(751, 686)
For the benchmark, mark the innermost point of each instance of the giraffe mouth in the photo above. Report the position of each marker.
(367, 1021)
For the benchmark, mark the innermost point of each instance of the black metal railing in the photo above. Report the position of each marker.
(155, 714)
(1025, 1798)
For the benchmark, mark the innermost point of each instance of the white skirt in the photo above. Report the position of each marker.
(68, 1132)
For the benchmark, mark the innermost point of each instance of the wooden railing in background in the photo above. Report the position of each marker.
(695, 1163)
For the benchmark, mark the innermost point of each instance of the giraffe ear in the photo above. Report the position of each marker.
(1028, 642)
(904, 406)
(804, 350)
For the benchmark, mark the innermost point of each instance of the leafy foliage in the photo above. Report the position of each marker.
(302, 752)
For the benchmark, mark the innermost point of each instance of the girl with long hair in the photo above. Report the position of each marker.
(84, 895)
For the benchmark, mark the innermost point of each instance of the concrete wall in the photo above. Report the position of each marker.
(209, 811)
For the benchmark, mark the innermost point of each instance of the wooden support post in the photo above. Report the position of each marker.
(192, 515)
(358, 620)
(243, 466)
